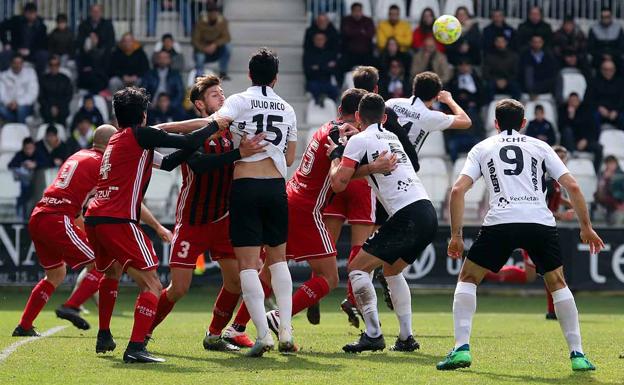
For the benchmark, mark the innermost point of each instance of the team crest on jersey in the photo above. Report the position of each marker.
(241, 125)
(225, 142)
(502, 202)
(404, 185)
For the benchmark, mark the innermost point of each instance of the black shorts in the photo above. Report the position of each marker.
(381, 216)
(405, 235)
(258, 212)
(494, 245)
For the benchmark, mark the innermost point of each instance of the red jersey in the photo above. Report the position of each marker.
(553, 195)
(205, 197)
(73, 185)
(310, 184)
(124, 176)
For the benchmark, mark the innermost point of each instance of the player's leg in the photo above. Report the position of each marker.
(224, 306)
(281, 282)
(181, 278)
(84, 290)
(38, 298)
(401, 298)
(324, 279)
(108, 296)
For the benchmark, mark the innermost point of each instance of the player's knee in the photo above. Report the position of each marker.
(232, 284)
(114, 272)
(55, 276)
(332, 280)
(175, 292)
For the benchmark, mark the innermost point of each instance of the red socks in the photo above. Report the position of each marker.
(38, 298)
(352, 254)
(511, 274)
(108, 296)
(87, 288)
(242, 316)
(222, 313)
(144, 313)
(163, 309)
(309, 293)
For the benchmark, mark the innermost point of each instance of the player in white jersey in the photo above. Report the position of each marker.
(416, 116)
(514, 167)
(411, 226)
(258, 203)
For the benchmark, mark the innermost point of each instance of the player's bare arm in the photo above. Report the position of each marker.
(149, 219)
(461, 119)
(203, 163)
(291, 149)
(588, 235)
(341, 173)
(456, 244)
(184, 126)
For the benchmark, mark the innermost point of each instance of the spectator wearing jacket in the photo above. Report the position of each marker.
(164, 79)
(19, 89)
(396, 28)
(319, 65)
(128, 63)
(27, 36)
(55, 93)
(357, 32)
(211, 41)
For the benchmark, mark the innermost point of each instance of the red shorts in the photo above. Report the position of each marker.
(189, 241)
(125, 243)
(58, 240)
(308, 237)
(356, 204)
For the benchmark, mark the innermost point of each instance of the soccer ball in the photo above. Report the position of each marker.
(447, 29)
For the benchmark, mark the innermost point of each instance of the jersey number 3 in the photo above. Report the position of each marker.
(259, 120)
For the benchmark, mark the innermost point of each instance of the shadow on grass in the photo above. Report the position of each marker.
(394, 357)
(270, 362)
(169, 367)
(581, 378)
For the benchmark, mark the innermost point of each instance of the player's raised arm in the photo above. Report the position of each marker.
(461, 120)
(150, 137)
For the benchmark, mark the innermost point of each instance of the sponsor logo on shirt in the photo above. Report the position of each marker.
(493, 176)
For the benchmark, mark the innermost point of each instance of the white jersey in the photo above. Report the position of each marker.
(259, 109)
(418, 120)
(395, 189)
(514, 168)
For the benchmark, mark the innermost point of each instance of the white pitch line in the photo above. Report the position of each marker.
(13, 347)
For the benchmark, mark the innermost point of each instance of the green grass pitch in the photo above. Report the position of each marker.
(511, 344)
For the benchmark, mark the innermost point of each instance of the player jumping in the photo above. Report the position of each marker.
(514, 167)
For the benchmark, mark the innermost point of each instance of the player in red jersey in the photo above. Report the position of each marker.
(528, 274)
(58, 239)
(112, 217)
(202, 220)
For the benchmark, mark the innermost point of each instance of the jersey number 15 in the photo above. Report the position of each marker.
(259, 120)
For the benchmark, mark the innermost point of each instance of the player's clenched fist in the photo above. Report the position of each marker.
(455, 248)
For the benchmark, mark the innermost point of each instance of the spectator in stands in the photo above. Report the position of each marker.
(128, 63)
(211, 40)
(500, 70)
(467, 89)
(164, 111)
(578, 129)
(95, 42)
(541, 128)
(606, 39)
(55, 93)
(357, 33)
(425, 30)
(89, 111)
(81, 137)
(606, 93)
(610, 192)
(169, 46)
(19, 89)
(534, 25)
(538, 69)
(322, 24)
(61, 39)
(319, 65)
(469, 45)
(27, 35)
(164, 79)
(429, 59)
(51, 150)
(498, 27)
(393, 83)
(392, 53)
(569, 38)
(23, 166)
(396, 28)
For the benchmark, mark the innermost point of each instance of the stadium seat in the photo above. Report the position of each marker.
(367, 9)
(41, 130)
(549, 111)
(433, 145)
(572, 82)
(382, 6)
(12, 135)
(159, 194)
(612, 143)
(5, 159)
(490, 117)
(417, 7)
(435, 178)
(583, 171)
(100, 104)
(8, 193)
(474, 196)
(451, 6)
(317, 115)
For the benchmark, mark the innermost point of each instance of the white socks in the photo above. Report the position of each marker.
(253, 295)
(464, 307)
(366, 298)
(567, 314)
(402, 302)
(281, 282)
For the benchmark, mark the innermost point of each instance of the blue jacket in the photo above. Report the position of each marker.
(175, 87)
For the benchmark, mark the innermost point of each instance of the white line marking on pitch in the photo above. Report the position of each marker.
(13, 347)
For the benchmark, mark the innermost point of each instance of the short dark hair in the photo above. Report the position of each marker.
(30, 7)
(166, 36)
(263, 67)
(539, 107)
(427, 85)
(371, 108)
(366, 78)
(201, 85)
(129, 105)
(51, 129)
(509, 114)
(27, 140)
(160, 95)
(350, 100)
(610, 158)
(605, 9)
(356, 4)
(393, 7)
(61, 17)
